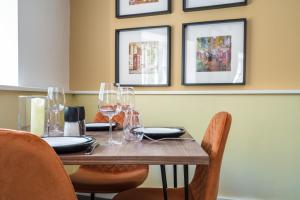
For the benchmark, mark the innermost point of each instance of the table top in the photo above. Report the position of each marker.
(186, 152)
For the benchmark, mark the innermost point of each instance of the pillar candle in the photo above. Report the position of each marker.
(37, 118)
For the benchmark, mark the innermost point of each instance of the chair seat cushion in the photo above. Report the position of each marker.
(108, 178)
(151, 194)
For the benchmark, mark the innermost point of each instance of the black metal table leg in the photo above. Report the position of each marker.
(175, 175)
(186, 181)
(92, 196)
(164, 181)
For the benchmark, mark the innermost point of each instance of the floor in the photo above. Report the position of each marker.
(81, 197)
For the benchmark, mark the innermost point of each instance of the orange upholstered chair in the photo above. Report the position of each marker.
(108, 178)
(30, 169)
(205, 183)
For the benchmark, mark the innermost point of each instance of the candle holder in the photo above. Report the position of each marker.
(33, 115)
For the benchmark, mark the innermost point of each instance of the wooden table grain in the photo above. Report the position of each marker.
(185, 152)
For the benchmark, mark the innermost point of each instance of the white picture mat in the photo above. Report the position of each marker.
(204, 3)
(143, 35)
(126, 9)
(236, 30)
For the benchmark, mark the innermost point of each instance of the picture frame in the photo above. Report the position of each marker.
(195, 5)
(143, 56)
(140, 8)
(214, 52)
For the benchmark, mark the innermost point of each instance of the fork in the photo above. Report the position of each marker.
(91, 149)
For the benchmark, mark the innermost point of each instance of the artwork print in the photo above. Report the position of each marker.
(143, 57)
(136, 2)
(213, 54)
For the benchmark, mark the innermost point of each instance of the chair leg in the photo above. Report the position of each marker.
(92, 196)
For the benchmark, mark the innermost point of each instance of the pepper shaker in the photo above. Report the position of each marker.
(71, 127)
(81, 118)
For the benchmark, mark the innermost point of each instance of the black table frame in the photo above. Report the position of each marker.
(165, 184)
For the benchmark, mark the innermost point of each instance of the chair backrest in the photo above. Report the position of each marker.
(30, 169)
(205, 183)
(119, 118)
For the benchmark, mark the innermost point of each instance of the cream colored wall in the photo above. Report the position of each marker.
(261, 159)
(272, 42)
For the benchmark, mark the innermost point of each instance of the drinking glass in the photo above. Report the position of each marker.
(110, 105)
(56, 102)
(127, 99)
(133, 129)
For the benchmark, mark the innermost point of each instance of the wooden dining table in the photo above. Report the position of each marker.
(182, 151)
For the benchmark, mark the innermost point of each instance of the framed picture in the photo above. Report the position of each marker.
(138, 8)
(143, 56)
(214, 52)
(192, 5)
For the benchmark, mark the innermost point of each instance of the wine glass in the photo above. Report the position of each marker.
(109, 105)
(56, 102)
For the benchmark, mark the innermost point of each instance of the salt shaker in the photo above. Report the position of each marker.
(81, 119)
(71, 121)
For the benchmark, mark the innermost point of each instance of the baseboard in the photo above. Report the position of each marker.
(236, 198)
(110, 196)
(223, 198)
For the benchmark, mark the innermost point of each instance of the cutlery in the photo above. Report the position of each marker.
(161, 139)
(91, 149)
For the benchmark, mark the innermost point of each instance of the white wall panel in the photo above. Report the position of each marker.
(44, 43)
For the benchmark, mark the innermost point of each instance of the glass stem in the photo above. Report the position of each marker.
(125, 118)
(56, 117)
(110, 139)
